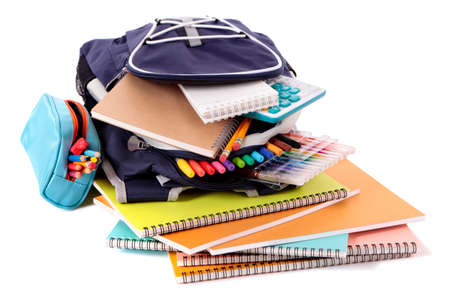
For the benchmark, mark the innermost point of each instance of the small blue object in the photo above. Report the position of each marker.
(284, 95)
(293, 95)
(277, 86)
(48, 151)
(265, 152)
(284, 103)
(92, 153)
(294, 98)
(258, 157)
(274, 109)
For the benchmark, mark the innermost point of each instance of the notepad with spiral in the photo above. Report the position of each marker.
(122, 237)
(222, 101)
(374, 245)
(390, 240)
(375, 207)
(196, 209)
(212, 272)
(161, 112)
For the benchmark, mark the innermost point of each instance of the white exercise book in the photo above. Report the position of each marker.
(222, 101)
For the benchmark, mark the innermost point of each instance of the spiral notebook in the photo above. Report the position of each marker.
(161, 112)
(192, 274)
(381, 244)
(196, 208)
(391, 240)
(122, 237)
(222, 101)
(375, 207)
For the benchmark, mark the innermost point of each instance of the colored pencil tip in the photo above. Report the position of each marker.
(236, 146)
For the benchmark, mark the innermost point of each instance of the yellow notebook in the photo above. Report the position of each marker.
(196, 209)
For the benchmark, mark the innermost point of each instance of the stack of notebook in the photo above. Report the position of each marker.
(322, 210)
(364, 226)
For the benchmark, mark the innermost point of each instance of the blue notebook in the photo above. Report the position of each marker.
(332, 246)
(123, 237)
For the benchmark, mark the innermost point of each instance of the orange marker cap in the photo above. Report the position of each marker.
(274, 149)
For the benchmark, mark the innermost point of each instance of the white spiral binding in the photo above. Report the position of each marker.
(242, 213)
(225, 135)
(388, 248)
(206, 259)
(381, 248)
(271, 267)
(225, 110)
(138, 244)
(294, 252)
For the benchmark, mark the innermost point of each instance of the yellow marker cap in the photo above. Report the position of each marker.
(185, 168)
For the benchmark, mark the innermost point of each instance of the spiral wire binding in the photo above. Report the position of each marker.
(295, 252)
(270, 267)
(242, 213)
(226, 134)
(388, 248)
(206, 259)
(138, 244)
(221, 111)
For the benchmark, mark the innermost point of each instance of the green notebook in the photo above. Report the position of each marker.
(196, 208)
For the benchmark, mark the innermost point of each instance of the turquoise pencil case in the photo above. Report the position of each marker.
(53, 127)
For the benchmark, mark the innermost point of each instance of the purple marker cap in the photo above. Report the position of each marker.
(229, 165)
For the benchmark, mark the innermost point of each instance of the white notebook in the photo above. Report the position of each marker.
(222, 101)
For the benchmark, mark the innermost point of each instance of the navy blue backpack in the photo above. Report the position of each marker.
(193, 50)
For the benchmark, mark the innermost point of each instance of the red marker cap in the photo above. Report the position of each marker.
(207, 167)
(196, 167)
(79, 146)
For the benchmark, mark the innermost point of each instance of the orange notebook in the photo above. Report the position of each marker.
(390, 240)
(375, 207)
(161, 112)
(198, 239)
(211, 272)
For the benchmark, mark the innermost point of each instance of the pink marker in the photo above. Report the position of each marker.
(75, 174)
(219, 167)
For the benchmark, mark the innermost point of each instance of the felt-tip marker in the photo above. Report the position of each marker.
(207, 167)
(196, 167)
(185, 168)
(238, 162)
(229, 165)
(219, 167)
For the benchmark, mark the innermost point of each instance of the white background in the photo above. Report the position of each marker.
(386, 68)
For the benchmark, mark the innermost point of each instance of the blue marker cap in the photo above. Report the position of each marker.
(266, 153)
(258, 157)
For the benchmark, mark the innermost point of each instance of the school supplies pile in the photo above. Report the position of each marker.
(368, 226)
(196, 119)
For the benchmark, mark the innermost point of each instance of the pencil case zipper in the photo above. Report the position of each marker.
(80, 123)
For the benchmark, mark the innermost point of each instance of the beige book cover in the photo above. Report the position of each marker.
(161, 111)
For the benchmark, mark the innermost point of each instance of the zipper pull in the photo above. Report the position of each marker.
(134, 143)
(116, 78)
